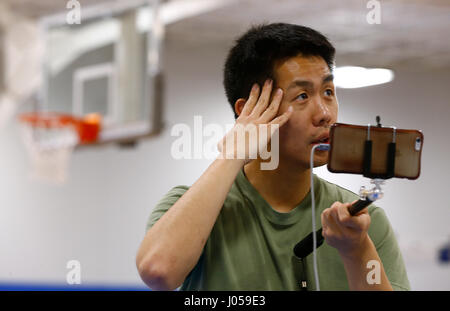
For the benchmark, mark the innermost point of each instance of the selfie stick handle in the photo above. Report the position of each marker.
(358, 206)
(305, 246)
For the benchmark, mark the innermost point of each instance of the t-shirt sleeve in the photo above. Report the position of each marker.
(387, 247)
(165, 203)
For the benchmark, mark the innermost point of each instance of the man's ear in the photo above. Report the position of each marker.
(239, 106)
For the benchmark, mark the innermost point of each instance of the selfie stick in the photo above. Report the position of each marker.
(313, 240)
(367, 197)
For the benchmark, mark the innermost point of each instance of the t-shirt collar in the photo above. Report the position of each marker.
(255, 198)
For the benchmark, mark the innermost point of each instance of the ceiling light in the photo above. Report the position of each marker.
(349, 77)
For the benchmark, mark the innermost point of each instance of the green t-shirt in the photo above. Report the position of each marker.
(251, 245)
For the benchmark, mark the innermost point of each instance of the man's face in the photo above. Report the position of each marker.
(308, 87)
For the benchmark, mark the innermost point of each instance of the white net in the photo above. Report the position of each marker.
(50, 149)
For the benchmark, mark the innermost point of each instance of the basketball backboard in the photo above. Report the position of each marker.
(108, 64)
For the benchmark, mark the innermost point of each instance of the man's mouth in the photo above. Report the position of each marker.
(323, 139)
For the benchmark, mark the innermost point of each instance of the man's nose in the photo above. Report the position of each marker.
(322, 114)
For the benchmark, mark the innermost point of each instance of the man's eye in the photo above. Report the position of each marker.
(302, 96)
(329, 92)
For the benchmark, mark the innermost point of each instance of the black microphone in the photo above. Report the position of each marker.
(305, 246)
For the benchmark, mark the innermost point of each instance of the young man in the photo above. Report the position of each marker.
(236, 226)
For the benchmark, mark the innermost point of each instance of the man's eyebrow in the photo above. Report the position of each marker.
(300, 83)
(328, 78)
(309, 84)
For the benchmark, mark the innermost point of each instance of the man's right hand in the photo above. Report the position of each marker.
(168, 252)
(244, 140)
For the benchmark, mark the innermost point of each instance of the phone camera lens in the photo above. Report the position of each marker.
(418, 144)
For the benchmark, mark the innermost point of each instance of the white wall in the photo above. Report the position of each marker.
(99, 216)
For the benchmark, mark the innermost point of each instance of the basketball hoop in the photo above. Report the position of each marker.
(50, 139)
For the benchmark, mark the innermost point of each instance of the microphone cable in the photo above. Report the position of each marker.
(313, 211)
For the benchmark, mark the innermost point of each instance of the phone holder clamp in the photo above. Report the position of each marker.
(367, 162)
(373, 194)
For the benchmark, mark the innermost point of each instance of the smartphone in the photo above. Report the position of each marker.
(374, 151)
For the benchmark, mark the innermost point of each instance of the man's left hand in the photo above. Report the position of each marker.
(344, 232)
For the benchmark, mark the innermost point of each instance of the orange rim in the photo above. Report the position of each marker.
(87, 128)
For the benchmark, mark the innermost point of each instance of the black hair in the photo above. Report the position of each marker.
(251, 59)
